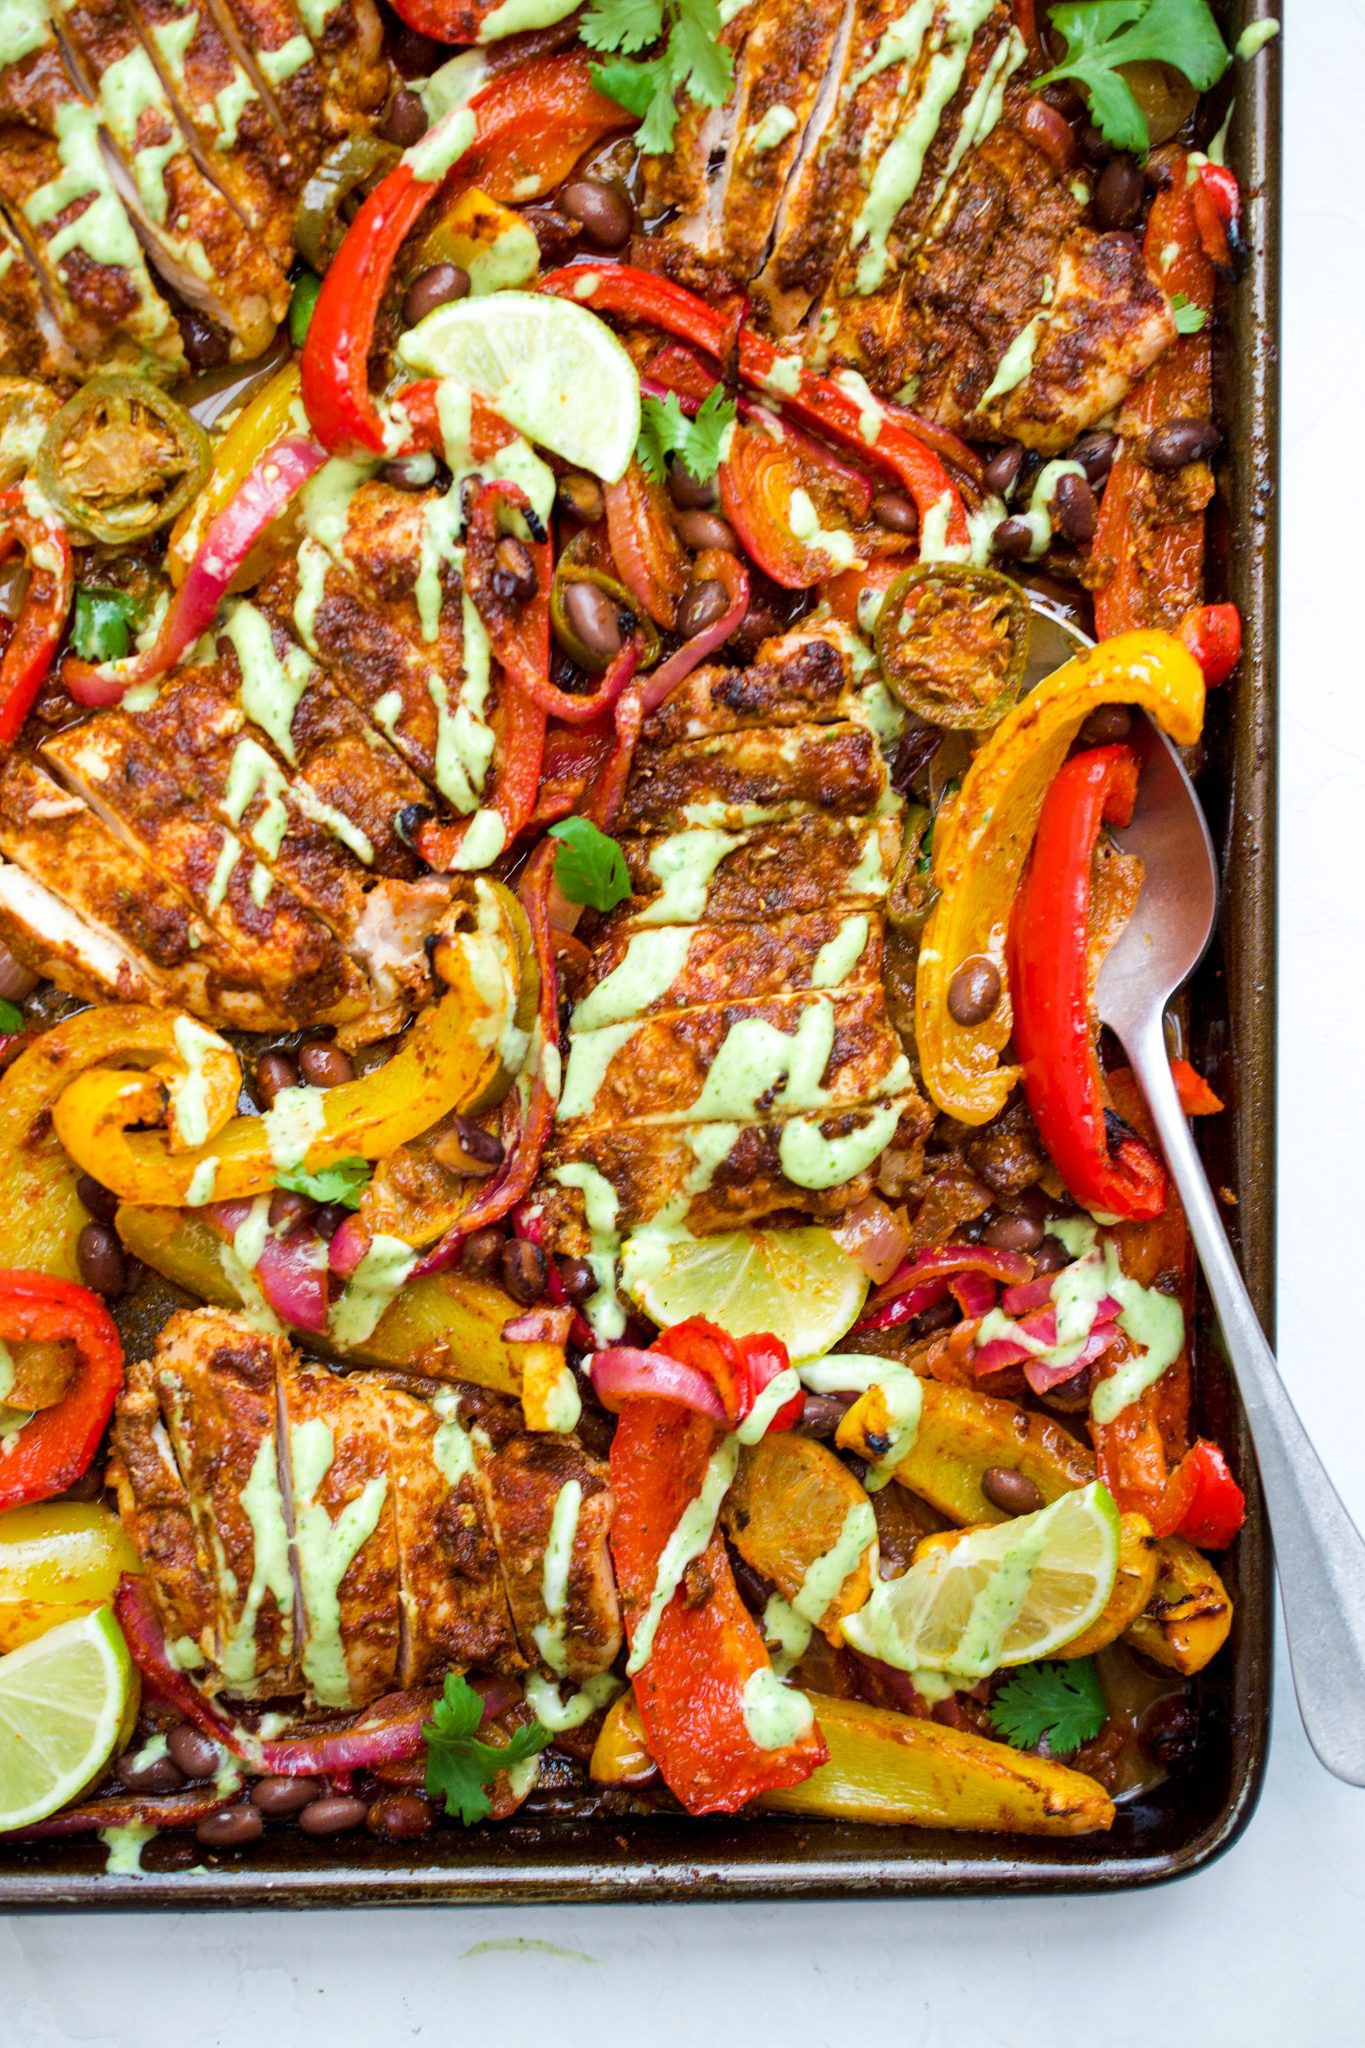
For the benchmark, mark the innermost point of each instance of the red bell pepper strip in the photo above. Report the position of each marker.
(1217, 200)
(691, 1688)
(649, 557)
(1213, 634)
(554, 91)
(53, 1449)
(1202, 1502)
(33, 643)
(1054, 1027)
(1196, 1096)
(817, 402)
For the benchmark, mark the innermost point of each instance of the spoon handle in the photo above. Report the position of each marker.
(1319, 1552)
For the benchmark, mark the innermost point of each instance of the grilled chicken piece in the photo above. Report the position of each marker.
(194, 235)
(59, 192)
(79, 907)
(140, 795)
(912, 230)
(340, 1535)
(761, 872)
(647, 971)
(752, 777)
(32, 343)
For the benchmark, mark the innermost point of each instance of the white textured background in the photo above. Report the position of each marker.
(1268, 1947)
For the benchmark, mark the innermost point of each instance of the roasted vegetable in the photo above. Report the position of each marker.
(122, 458)
(57, 1560)
(963, 1434)
(274, 410)
(793, 1503)
(952, 644)
(1188, 1616)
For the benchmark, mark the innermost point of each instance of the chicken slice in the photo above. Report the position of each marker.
(454, 1601)
(654, 969)
(155, 1508)
(194, 237)
(58, 188)
(345, 1533)
(140, 795)
(753, 777)
(758, 872)
(32, 343)
(802, 677)
(82, 909)
(319, 62)
(215, 1380)
(550, 1505)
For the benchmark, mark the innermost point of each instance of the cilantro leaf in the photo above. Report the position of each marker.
(666, 430)
(344, 1182)
(1060, 1704)
(589, 867)
(11, 1018)
(102, 623)
(694, 57)
(459, 1766)
(1189, 318)
(1102, 35)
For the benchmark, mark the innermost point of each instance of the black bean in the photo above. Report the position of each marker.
(1168, 1730)
(207, 346)
(162, 1774)
(467, 1143)
(524, 1270)
(936, 1317)
(1093, 144)
(400, 1817)
(414, 55)
(1065, 98)
(514, 573)
(405, 119)
(896, 512)
(974, 991)
(581, 495)
(231, 1829)
(281, 1798)
(410, 472)
(408, 822)
(197, 1755)
(1181, 441)
(759, 623)
(688, 492)
(593, 617)
(1013, 1233)
(577, 1278)
(1095, 451)
(700, 605)
(481, 1254)
(1051, 1256)
(437, 286)
(1107, 725)
(1010, 1491)
(1075, 509)
(275, 1072)
(705, 530)
(1119, 192)
(288, 1210)
(100, 1258)
(1002, 471)
(99, 1200)
(328, 1219)
(605, 215)
(323, 1065)
(1013, 538)
(821, 1415)
(334, 1815)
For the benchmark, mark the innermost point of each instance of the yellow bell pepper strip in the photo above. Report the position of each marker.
(982, 839)
(449, 1057)
(58, 1559)
(276, 410)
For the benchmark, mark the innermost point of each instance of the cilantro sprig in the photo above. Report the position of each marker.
(1102, 35)
(11, 1018)
(693, 57)
(102, 622)
(460, 1767)
(344, 1182)
(589, 867)
(1189, 318)
(1062, 1705)
(666, 430)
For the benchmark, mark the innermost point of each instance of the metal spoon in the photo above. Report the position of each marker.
(1319, 1553)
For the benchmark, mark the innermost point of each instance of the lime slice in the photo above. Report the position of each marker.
(550, 367)
(64, 1702)
(1002, 1595)
(799, 1285)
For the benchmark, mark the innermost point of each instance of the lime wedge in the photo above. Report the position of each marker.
(1002, 1595)
(550, 367)
(64, 1702)
(799, 1285)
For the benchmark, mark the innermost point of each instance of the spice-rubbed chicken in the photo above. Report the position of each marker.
(869, 180)
(245, 825)
(730, 1054)
(308, 1533)
(151, 160)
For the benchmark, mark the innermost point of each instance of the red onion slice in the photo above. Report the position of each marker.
(624, 1370)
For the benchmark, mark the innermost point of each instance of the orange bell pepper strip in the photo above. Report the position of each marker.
(448, 1059)
(275, 410)
(706, 1658)
(982, 838)
(55, 1447)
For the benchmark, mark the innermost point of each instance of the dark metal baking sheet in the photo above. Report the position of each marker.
(1192, 1817)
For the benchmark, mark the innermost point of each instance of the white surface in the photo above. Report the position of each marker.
(1264, 1948)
